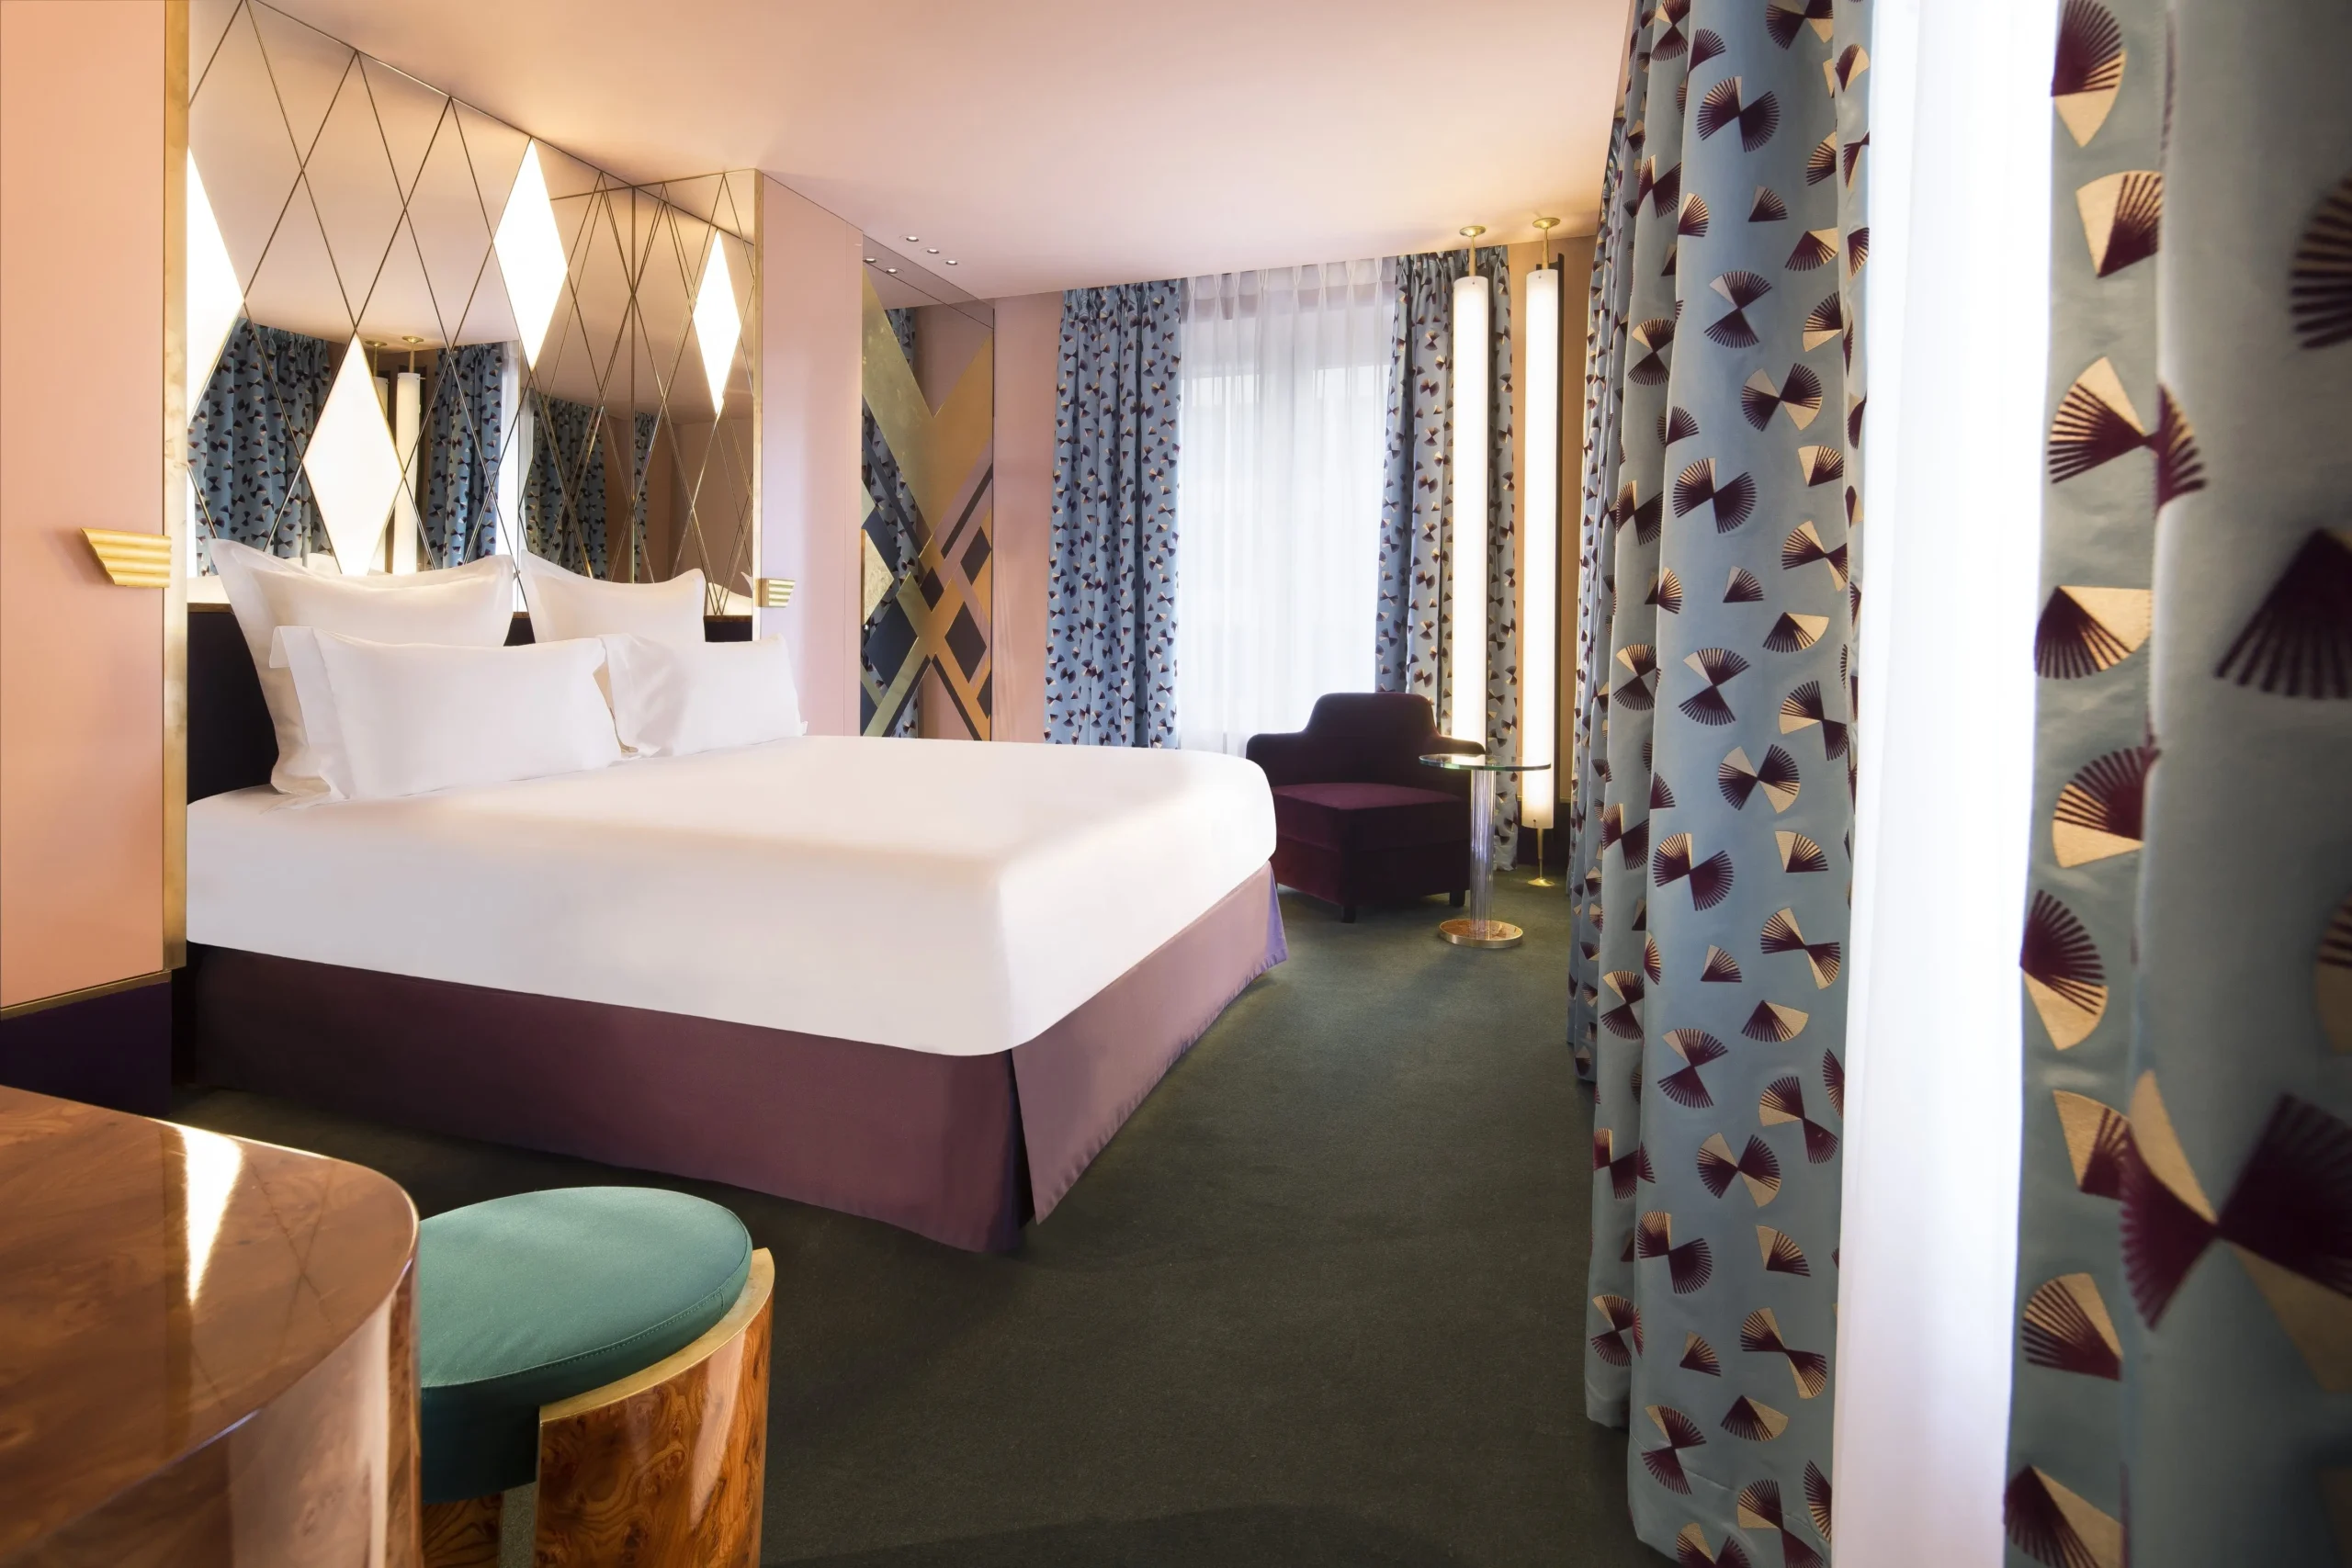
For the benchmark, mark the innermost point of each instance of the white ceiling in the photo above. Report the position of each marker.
(1047, 144)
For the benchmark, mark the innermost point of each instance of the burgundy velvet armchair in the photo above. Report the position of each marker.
(1358, 818)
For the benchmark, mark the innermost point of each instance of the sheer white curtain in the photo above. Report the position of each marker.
(1959, 311)
(1282, 438)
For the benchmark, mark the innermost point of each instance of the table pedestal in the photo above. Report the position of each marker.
(1479, 931)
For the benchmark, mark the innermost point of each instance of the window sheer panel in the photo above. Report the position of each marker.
(1282, 435)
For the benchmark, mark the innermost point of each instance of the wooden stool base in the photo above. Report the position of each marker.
(662, 1469)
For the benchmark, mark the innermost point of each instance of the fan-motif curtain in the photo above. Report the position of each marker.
(1111, 625)
(464, 439)
(563, 499)
(1412, 639)
(247, 435)
(1715, 789)
(2185, 1269)
(896, 526)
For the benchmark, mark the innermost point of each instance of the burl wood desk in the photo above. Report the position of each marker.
(208, 1349)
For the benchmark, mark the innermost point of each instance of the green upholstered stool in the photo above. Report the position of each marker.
(528, 1301)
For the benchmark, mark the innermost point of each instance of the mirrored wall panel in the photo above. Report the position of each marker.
(417, 335)
(929, 529)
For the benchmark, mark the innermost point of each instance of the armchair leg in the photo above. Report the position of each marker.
(1347, 914)
(1455, 897)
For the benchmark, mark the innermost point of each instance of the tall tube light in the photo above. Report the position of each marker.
(1467, 562)
(1539, 622)
(408, 430)
(530, 254)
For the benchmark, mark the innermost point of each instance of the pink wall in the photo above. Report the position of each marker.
(81, 203)
(810, 364)
(1028, 348)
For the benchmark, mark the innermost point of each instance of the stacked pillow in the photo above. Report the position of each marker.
(381, 686)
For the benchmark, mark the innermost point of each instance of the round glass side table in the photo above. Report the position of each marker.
(1479, 931)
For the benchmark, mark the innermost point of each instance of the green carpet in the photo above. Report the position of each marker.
(1319, 1302)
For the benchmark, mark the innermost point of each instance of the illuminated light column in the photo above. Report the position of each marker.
(1467, 559)
(1540, 624)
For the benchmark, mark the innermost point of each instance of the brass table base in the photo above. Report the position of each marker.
(1480, 933)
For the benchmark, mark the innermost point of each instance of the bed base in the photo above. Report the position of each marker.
(961, 1149)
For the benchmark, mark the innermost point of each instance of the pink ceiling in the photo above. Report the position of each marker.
(1051, 143)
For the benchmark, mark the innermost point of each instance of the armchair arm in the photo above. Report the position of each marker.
(1289, 759)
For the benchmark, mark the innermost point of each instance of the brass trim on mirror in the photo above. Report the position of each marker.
(174, 498)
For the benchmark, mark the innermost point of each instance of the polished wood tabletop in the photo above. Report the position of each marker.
(207, 1348)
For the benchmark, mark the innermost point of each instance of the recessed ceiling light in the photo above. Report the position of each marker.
(914, 239)
(931, 250)
(951, 263)
(871, 260)
(891, 270)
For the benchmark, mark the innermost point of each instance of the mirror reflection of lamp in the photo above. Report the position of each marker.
(210, 309)
(530, 254)
(1466, 555)
(354, 469)
(718, 325)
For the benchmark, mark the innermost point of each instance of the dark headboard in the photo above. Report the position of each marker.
(230, 743)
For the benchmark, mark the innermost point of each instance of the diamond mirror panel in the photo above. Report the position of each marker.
(417, 335)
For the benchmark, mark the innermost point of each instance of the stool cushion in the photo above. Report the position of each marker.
(523, 1300)
(1369, 816)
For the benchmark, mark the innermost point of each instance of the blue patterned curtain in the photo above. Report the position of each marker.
(2184, 1267)
(1413, 638)
(1111, 626)
(563, 501)
(897, 527)
(642, 429)
(247, 435)
(464, 432)
(1716, 774)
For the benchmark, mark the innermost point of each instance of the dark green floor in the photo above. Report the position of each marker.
(1319, 1302)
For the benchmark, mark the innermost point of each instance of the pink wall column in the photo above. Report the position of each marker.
(81, 687)
(810, 372)
(1028, 350)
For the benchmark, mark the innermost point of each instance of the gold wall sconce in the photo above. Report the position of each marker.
(132, 560)
(771, 592)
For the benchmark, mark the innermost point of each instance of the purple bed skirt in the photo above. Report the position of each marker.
(961, 1149)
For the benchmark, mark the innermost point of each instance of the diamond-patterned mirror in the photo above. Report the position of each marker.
(928, 530)
(439, 338)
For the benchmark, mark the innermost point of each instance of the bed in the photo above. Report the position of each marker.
(919, 981)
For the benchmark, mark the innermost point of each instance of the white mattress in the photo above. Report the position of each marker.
(940, 896)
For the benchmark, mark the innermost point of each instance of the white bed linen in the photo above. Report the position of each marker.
(952, 896)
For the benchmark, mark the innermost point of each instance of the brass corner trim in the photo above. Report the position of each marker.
(86, 994)
(132, 560)
(772, 592)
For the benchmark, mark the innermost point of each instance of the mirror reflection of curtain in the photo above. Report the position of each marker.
(896, 529)
(563, 499)
(464, 432)
(247, 435)
(641, 458)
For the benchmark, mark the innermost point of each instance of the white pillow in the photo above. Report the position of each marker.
(671, 701)
(565, 605)
(389, 719)
(471, 605)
